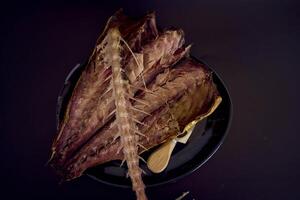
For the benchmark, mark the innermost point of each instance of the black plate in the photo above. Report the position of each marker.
(203, 143)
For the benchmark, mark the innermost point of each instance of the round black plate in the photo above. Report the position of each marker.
(205, 140)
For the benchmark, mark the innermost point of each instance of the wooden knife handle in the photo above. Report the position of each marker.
(159, 160)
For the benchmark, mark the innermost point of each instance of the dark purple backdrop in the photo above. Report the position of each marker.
(253, 45)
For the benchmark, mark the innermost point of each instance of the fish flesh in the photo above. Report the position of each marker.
(138, 89)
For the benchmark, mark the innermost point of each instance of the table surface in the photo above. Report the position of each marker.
(253, 45)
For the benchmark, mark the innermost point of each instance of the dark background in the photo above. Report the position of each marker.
(253, 45)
